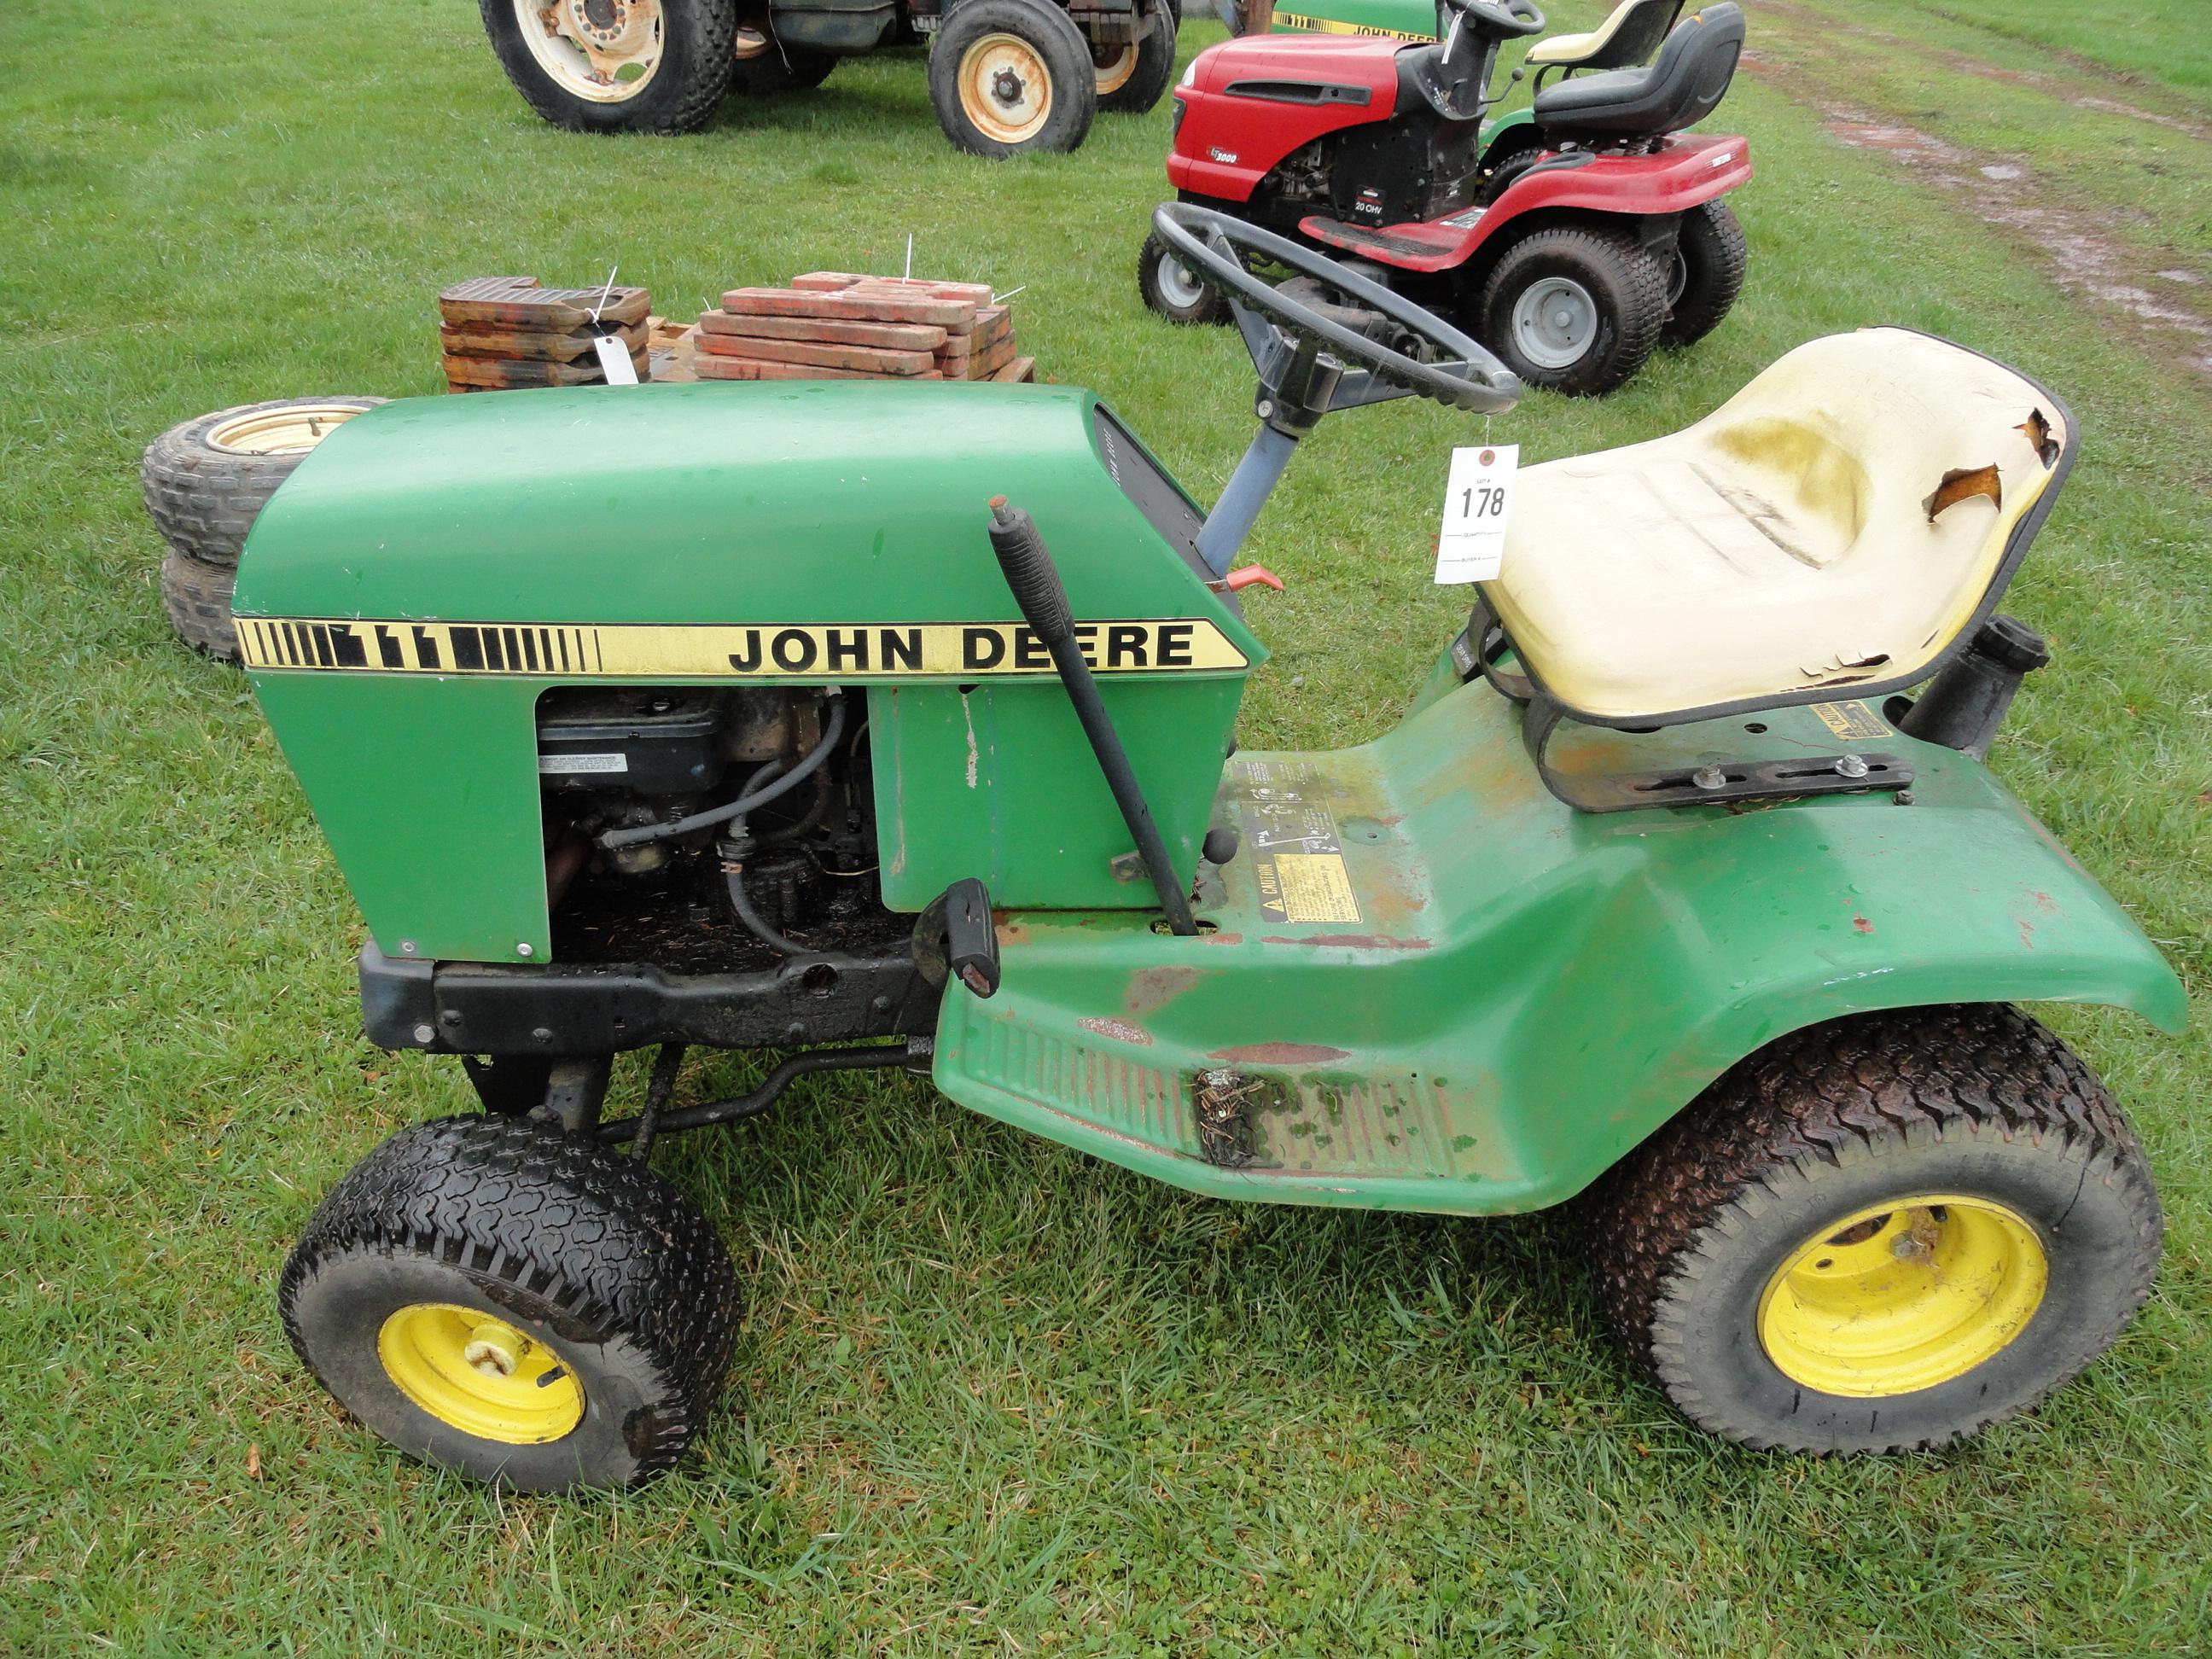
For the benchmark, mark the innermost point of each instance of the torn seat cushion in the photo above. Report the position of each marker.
(1783, 547)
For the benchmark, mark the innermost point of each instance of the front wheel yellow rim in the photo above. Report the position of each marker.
(1006, 88)
(1903, 1296)
(475, 1372)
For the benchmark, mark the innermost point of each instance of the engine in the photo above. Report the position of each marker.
(707, 830)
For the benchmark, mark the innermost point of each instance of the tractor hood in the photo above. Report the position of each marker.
(813, 503)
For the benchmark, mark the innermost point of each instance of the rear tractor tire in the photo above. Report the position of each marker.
(1880, 1235)
(1133, 77)
(1709, 260)
(616, 65)
(1576, 309)
(524, 1305)
(1174, 290)
(1008, 77)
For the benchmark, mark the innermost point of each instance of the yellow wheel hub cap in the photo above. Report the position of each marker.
(1903, 1296)
(1005, 87)
(478, 1373)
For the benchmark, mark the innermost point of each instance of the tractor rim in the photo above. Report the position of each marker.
(1903, 1296)
(1114, 64)
(475, 1372)
(1177, 286)
(290, 431)
(605, 52)
(1554, 322)
(1004, 89)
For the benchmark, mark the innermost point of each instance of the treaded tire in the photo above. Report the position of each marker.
(1714, 258)
(204, 499)
(698, 61)
(197, 596)
(586, 1251)
(1209, 307)
(1626, 285)
(1060, 47)
(1977, 1100)
(1153, 74)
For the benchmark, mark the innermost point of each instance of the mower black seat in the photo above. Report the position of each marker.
(1681, 89)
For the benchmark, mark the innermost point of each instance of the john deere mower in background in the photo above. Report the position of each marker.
(1004, 75)
(893, 726)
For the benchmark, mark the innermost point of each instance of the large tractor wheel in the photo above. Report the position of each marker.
(1576, 309)
(1133, 76)
(1009, 77)
(616, 65)
(206, 480)
(1709, 260)
(1882, 1234)
(500, 1296)
(1174, 290)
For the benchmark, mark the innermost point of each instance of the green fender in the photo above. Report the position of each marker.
(1527, 991)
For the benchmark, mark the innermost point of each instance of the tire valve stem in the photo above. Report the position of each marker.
(547, 1379)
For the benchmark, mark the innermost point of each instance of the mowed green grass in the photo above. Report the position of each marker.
(992, 1396)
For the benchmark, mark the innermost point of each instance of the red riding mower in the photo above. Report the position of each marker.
(1573, 243)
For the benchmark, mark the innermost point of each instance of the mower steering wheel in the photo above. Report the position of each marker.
(1509, 18)
(1210, 243)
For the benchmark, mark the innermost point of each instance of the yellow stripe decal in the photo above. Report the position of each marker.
(856, 651)
(1291, 20)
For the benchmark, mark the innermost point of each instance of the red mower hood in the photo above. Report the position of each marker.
(1250, 102)
(1368, 64)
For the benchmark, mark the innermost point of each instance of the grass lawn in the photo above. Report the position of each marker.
(992, 1396)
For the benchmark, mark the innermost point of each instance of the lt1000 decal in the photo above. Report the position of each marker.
(858, 651)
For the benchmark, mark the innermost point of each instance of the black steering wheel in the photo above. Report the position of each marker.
(1210, 243)
(1509, 18)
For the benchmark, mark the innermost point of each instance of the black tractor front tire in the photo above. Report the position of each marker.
(1133, 80)
(1711, 257)
(695, 65)
(1171, 289)
(1577, 309)
(461, 1246)
(1008, 77)
(1880, 1235)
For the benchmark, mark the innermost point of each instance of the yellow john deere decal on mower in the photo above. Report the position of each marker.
(860, 651)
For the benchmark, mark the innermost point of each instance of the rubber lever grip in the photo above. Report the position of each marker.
(1247, 575)
(1029, 573)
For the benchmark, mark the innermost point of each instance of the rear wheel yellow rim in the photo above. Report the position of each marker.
(1903, 1296)
(475, 1372)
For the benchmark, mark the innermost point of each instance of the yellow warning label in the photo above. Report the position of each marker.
(1849, 720)
(1315, 887)
(1292, 20)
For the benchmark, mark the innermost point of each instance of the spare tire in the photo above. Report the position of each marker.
(207, 479)
(197, 596)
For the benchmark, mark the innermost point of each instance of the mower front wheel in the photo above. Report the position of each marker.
(519, 1303)
(1881, 1235)
(1711, 257)
(1011, 76)
(1174, 290)
(1578, 309)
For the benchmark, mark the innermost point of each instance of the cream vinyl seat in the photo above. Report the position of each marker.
(1629, 36)
(1837, 524)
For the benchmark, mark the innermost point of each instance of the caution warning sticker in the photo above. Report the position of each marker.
(1851, 719)
(1297, 859)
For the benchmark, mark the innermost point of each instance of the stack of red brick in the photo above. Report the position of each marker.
(500, 331)
(835, 325)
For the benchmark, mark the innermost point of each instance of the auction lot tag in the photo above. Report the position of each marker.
(1471, 545)
(614, 358)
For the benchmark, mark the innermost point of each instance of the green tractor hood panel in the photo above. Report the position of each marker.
(435, 565)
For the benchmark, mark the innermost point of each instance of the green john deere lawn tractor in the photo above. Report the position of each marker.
(894, 726)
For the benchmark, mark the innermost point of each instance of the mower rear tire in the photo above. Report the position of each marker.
(1132, 78)
(206, 480)
(1577, 309)
(1711, 257)
(1175, 291)
(1009, 77)
(657, 65)
(522, 1304)
(1880, 1235)
(197, 596)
